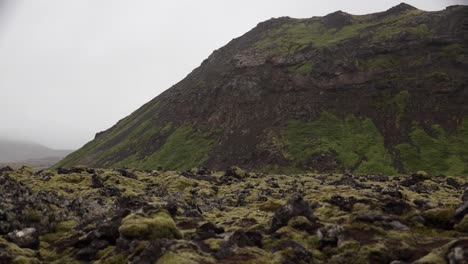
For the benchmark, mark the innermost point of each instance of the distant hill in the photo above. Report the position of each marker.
(379, 93)
(29, 153)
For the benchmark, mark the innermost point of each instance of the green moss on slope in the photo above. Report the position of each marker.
(358, 144)
(400, 100)
(383, 62)
(301, 33)
(185, 148)
(436, 151)
(104, 145)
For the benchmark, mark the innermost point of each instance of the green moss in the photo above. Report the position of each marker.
(66, 226)
(184, 149)
(214, 243)
(156, 226)
(302, 33)
(25, 260)
(61, 230)
(356, 142)
(453, 50)
(297, 34)
(271, 205)
(33, 216)
(304, 68)
(105, 252)
(14, 249)
(182, 257)
(400, 100)
(115, 259)
(385, 61)
(420, 31)
(439, 217)
(438, 77)
(438, 153)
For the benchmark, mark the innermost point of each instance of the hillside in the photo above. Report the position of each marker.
(378, 93)
(22, 152)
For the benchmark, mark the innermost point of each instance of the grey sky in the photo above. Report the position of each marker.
(71, 68)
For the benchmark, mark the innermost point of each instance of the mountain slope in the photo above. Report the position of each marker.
(384, 93)
(19, 151)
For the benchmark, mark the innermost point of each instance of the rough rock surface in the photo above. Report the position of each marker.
(205, 216)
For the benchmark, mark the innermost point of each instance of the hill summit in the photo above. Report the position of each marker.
(378, 93)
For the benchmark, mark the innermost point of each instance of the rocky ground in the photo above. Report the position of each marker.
(84, 215)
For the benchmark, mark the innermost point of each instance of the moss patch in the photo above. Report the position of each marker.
(184, 149)
(438, 152)
(156, 226)
(358, 144)
(297, 34)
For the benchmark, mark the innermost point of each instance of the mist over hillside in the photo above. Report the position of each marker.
(21, 151)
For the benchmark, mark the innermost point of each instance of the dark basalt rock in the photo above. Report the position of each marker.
(232, 174)
(338, 19)
(401, 8)
(203, 174)
(208, 230)
(110, 191)
(88, 253)
(296, 252)
(79, 169)
(246, 239)
(172, 207)
(396, 207)
(152, 252)
(414, 179)
(458, 252)
(5, 169)
(344, 203)
(6, 257)
(84, 225)
(465, 195)
(127, 173)
(330, 235)
(130, 202)
(453, 182)
(393, 192)
(348, 179)
(422, 204)
(96, 182)
(296, 206)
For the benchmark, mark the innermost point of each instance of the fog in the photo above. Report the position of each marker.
(71, 68)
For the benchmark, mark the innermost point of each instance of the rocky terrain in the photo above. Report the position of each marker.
(378, 93)
(85, 215)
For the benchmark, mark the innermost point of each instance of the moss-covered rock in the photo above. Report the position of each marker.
(154, 226)
(462, 226)
(440, 217)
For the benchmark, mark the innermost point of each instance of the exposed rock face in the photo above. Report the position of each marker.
(380, 93)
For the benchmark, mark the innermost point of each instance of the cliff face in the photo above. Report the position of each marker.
(378, 93)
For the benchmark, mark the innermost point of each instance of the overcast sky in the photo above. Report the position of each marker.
(71, 68)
